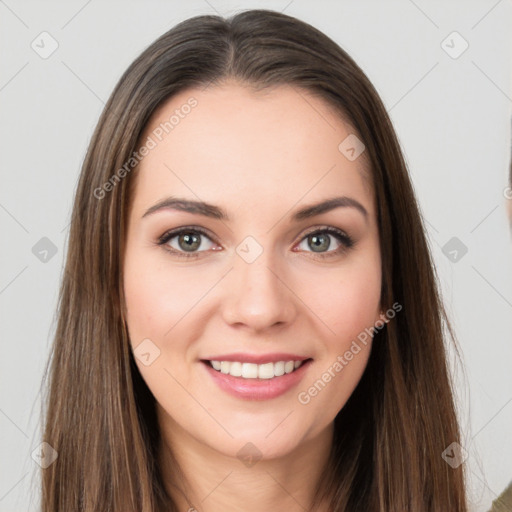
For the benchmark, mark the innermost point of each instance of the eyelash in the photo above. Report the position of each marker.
(346, 241)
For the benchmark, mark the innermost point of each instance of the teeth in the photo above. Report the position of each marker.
(249, 371)
(266, 371)
(255, 371)
(235, 369)
(279, 368)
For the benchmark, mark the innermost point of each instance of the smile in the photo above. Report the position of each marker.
(262, 377)
(255, 371)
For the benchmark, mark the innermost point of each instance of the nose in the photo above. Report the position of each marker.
(257, 295)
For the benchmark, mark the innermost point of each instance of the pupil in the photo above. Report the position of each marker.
(319, 245)
(191, 241)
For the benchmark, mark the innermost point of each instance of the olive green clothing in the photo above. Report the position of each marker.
(503, 503)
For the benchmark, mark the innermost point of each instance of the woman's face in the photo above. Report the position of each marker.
(262, 283)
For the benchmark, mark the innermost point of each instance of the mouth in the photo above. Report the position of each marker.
(246, 370)
(256, 377)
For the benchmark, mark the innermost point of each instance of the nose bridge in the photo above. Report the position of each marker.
(258, 296)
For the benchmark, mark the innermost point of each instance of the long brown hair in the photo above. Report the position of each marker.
(100, 415)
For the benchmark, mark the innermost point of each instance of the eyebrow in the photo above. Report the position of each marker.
(215, 212)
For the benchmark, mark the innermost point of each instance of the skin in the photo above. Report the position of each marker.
(260, 156)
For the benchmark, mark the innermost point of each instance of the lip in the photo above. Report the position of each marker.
(257, 389)
(257, 358)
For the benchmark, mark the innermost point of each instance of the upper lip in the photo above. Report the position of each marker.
(257, 358)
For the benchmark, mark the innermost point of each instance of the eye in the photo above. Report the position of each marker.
(320, 241)
(188, 241)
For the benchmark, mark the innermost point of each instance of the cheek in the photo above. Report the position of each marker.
(145, 304)
(346, 301)
(157, 298)
(165, 305)
(159, 303)
(349, 310)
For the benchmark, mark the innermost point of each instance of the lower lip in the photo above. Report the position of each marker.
(257, 389)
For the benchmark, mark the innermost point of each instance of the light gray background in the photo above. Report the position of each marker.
(452, 116)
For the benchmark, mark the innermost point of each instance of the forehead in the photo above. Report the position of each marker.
(232, 141)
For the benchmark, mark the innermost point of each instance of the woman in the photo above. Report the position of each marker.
(249, 317)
